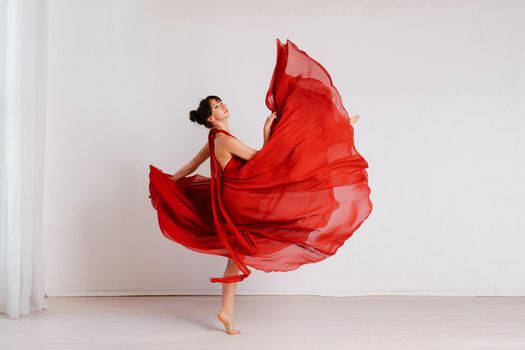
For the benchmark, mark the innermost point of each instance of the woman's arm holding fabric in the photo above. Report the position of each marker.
(196, 161)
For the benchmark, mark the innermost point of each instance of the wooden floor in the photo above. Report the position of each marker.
(271, 322)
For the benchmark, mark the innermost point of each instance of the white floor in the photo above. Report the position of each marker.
(271, 322)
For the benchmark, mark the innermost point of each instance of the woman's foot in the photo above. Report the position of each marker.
(227, 321)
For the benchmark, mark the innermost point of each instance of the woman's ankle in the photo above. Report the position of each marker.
(226, 312)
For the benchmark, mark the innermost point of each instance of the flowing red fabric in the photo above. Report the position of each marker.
(295, 202)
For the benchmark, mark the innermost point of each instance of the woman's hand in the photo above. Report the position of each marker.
(269, 121)
(268, 127)
(175, 177)
(354, 119)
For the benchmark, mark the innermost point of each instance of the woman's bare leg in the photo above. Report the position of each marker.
(226, 315)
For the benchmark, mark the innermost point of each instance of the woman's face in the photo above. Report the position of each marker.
(219, 110)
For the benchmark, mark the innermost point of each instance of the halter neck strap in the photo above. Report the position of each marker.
(215, 130)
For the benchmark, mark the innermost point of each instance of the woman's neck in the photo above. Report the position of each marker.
(222, 126)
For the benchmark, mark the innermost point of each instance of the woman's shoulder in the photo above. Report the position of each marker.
(224, 142)
(220, 136)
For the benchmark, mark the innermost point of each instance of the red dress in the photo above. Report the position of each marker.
(295, 202)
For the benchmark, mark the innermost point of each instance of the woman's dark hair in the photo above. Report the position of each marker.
(201, 114)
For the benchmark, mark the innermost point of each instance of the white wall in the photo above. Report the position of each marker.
(439, 86)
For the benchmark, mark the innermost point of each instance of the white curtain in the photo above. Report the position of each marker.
(23, 68)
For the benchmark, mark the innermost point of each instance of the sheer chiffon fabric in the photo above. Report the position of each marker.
(295, 202)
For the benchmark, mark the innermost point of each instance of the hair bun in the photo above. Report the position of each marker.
(195, 117)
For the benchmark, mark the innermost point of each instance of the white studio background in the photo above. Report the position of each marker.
(439, 85)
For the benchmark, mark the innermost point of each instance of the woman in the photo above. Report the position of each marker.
(293, 202)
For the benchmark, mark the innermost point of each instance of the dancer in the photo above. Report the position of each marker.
(293, 202)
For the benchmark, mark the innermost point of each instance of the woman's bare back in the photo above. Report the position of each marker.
(221, 153)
